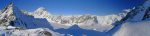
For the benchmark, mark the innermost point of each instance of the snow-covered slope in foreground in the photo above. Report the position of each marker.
(136, 26)
(134, 29)
(14, 22)
(13, 31)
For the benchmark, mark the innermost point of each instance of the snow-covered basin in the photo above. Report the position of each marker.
(77, 31)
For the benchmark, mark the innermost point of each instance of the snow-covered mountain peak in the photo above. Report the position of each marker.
(41, 9)
(15, 17)
(140, 12)
(7, 14)
(8, 10)
(42, 12)
(11, 4)
(127, 10)
(12, 16)
(92, 21)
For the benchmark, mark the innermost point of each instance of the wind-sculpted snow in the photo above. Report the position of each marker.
(134, 29)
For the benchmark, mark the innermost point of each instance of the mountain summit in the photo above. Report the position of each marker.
(13, 16)
(13, 20)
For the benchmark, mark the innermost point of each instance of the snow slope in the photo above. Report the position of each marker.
(27, 25)
(133, 22)
(139, 24)
(13, 16)
(13, 31)
(134, 29)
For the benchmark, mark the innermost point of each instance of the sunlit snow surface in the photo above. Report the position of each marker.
(42, 23)
(134, 29)
(27, 32)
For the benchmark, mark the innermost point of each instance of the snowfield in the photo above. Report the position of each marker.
(141, 28)
(28, 32)
(131, 22)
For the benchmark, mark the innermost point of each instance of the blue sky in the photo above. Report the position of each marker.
(75, 7)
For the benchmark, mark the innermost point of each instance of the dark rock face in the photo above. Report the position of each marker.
(147, 14)
(46, 33)
(132, 13)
